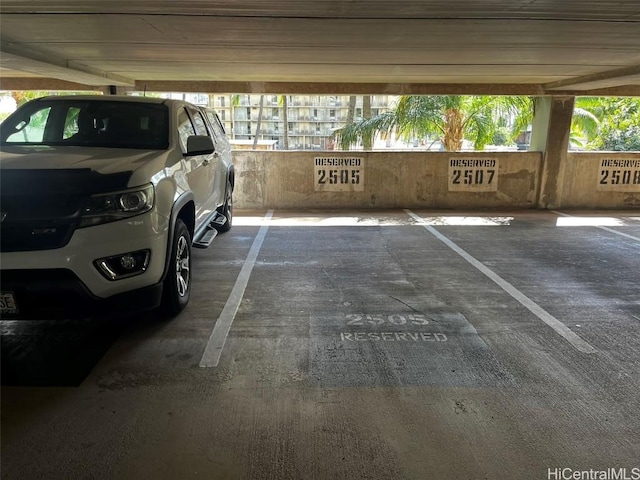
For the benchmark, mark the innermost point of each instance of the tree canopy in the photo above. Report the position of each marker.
(617, 122)
(449, 118)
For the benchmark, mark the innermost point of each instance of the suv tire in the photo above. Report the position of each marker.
(177, 284)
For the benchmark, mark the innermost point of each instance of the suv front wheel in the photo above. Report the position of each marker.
(177, 284)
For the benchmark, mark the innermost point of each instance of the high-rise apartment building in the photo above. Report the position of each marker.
(310, 119)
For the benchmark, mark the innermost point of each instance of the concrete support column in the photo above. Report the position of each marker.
(550, 135)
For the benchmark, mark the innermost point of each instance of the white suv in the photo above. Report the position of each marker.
(102, 198)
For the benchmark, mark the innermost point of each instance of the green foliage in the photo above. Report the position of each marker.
(598, 123)
(24, 96)
(451, 118)
(618, 122)
(622, 140)
(501, 137)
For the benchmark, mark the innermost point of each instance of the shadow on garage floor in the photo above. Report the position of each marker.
(55, 352)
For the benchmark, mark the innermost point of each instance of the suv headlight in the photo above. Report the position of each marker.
(110, 207)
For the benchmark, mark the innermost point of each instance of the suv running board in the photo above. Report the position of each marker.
(219, 221)
(210, 232)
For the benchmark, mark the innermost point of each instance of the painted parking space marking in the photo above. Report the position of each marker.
(560, 328)
(601, 227)
(400, 349)
(409, 321)
(392, 337)
(215, 345)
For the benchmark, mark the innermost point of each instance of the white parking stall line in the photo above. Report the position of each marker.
(637, 239)
(215, 345)
(559, 327)
(600, 226)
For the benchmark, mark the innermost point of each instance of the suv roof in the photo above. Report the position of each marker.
(110, 98)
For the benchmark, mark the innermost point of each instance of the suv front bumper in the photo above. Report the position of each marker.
(66, 281)
(59, 293)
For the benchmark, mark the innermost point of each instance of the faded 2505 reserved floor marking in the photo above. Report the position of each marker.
(400, 349)
(218, 337)
(411, 320)
(533, 307)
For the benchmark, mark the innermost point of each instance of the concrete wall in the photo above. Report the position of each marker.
(591, 181)
(303, 179)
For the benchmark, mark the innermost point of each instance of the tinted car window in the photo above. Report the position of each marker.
(28, 129)
(216, 123)
(71, 126)
(199, 122)
(90, 123)
(185, 128)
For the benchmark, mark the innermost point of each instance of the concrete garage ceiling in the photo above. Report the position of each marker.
(530, 47)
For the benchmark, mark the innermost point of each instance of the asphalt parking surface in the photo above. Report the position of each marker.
(351, 345)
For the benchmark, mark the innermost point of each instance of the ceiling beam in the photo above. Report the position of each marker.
(49, 84)
(324, 88)
(280, 88)
(621, 91)
(23, 59)
(617, 74)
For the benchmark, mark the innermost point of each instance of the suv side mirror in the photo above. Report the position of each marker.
(199, 145)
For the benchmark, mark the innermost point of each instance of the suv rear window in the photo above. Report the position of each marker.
(89, 123)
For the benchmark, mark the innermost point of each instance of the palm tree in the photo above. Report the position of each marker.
(259, 123)
(584, 126)
(451, 118)
(235, 102)
(619, 122)
(285, 121)
(351, 111)
(367, 141)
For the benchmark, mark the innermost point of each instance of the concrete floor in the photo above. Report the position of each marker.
(365, 345)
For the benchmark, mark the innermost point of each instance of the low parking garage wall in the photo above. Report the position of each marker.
(330, 179)
(601, 180)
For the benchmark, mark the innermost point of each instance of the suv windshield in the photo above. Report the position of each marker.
(88, 123)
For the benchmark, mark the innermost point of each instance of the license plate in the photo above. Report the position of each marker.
(8, 303)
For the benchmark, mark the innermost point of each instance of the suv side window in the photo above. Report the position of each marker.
(218, 128)
(185, 128)
(71, 123)
(199, 122)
